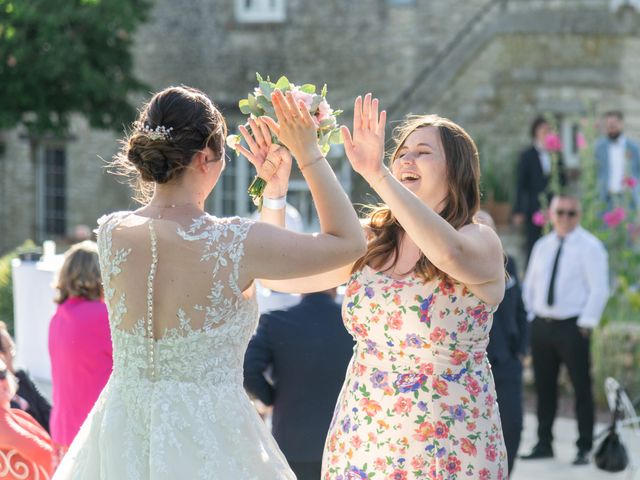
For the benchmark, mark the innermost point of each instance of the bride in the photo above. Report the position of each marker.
(179, 285)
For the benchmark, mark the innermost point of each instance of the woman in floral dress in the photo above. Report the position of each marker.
(419, 399)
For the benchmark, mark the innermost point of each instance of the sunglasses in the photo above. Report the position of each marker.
(569, 213)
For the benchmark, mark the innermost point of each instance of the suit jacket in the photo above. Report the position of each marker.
(531, 182)
(39, 407)
(509, 333)
(602, 162)
(305, 349)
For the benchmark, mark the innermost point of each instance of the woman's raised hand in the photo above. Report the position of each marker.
(295, 128)
(272, 162)
(365, 149)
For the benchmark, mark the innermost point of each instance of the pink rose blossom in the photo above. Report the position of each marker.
(614, 217)
(553, 143)
(580, 141)
(299, 95)
(630, 182)
(539, 218)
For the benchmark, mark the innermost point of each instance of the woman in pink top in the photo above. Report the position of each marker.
(79, 342)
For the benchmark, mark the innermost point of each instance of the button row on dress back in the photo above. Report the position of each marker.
(152, 274)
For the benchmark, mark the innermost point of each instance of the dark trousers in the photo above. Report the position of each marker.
(554, 342)
(533, 234)
(509, 393)
(307, 470)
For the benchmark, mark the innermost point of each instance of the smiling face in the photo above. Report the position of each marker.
(421, 166)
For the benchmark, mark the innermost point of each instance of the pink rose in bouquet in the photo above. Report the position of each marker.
(614, 217)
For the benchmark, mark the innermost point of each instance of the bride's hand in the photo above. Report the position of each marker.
(365, 149)
(295, 128)
(270, 160)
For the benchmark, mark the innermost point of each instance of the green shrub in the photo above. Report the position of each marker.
(616, 353)
(6, 283)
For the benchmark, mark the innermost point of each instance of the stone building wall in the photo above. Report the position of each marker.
(491, 65)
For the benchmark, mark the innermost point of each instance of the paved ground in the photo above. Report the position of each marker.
(558, 468)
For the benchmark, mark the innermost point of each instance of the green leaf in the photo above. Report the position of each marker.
(308, 88)
(253, 106)
(259, 77)
(264, 104)
(327, 122)
(324, 149)
(317, 99)
(324, 90)
(266, 88)
(283, 83)
(244, 106)
(336, 137)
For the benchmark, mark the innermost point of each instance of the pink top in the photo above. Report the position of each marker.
(81, 362)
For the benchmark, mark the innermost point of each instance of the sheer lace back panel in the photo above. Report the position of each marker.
(175, 307)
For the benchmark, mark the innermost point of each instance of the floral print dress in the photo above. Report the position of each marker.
(419, 399)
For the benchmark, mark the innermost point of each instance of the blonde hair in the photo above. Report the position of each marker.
(80, 273)
(460, 205)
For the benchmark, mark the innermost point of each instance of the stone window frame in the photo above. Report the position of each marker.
(51, 188)
(260, 11)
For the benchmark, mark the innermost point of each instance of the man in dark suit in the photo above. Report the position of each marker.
(296, 362)
(508, 342)
(533, 176)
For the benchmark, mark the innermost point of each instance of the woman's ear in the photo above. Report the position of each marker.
(200, 161)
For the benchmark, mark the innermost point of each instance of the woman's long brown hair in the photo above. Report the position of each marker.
(460, 205)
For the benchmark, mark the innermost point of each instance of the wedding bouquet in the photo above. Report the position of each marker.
(259, 103)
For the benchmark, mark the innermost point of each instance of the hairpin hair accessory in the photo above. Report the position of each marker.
(159, 133)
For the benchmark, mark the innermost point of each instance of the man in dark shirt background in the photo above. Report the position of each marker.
(296, 362)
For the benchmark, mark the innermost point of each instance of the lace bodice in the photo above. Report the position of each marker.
(175, 307)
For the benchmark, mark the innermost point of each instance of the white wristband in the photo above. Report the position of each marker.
(275, 203)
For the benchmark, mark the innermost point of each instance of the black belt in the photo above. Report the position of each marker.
(552, 320)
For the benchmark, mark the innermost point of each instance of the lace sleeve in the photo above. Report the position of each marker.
(240, 228)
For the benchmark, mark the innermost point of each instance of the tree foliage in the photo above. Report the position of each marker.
(59, 57)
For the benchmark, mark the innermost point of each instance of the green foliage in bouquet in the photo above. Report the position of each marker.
(258, 104)
(6, 283)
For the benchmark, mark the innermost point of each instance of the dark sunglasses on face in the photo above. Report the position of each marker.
(569, 213)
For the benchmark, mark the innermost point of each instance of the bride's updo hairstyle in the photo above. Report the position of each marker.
(177, 123)
(458, 208)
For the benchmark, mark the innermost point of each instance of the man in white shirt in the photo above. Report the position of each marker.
(565, 290)
(618, 162)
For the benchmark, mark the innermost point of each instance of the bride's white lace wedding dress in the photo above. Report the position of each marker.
(174, 407)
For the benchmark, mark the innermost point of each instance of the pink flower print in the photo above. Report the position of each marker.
(458, 356)
(360, 330)
(630, 182)
(356, 442)
(402, 405)
(479, 313)
(614, 217)
(441, 430)
(472, 386)
(426, 368)
(471, 426)
(475, 412)
(484, 474)
(490, 452)
(440, 386)
(395, 320)
(352, 288)
(417, 463)
(380, 464)
(453, 464)
(468, 447)
(424, 432)
(438, 335)
(446, 287)
(553, 143)
(398, 474)
(396, 299)
(463, 326)
(539, 218)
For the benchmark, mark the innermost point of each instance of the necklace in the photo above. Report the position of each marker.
(162, 208)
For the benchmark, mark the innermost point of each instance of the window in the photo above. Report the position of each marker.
(260, 11)
(51, 188)
(230, 195)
